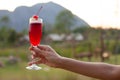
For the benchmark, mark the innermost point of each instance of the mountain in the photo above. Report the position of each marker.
(18, 19)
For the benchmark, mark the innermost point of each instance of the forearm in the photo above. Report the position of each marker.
(96, 70)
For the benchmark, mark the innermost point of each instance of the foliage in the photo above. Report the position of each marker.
(81, 29)
(9, 36)
(64, 21)
(12, 36)
(4, 34)
(4, 21)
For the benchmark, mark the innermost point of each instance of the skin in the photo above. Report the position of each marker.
(49, 56)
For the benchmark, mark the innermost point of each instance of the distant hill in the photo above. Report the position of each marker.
(20, 16)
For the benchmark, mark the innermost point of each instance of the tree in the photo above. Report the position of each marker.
(12, 36)
(64, 21)
(4, 20)
(81, 29)
(4, 30)
(3, 34)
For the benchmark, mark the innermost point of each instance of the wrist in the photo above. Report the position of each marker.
(60, 62)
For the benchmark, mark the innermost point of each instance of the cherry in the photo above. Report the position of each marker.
(35, 16)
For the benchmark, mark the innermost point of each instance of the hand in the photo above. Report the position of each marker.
(46, 55)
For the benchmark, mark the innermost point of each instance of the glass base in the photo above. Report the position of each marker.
(33, 67)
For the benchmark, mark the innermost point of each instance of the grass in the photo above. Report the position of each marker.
(19, 72)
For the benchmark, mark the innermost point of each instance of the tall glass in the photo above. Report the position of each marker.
(35, 34)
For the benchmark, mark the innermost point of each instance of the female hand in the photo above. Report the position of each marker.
(46, 55)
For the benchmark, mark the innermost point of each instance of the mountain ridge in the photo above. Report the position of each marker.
(18, 19)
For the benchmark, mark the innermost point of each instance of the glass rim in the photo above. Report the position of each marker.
(32, 20)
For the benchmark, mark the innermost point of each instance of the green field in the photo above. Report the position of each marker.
(19, 72)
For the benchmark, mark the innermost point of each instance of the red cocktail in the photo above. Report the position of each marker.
(35, 34)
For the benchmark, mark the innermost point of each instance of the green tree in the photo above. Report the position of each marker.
(81, 29)
(12, 36)
(64, 21)
(3, 34)
(4, 20)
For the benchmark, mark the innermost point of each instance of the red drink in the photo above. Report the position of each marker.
(35, 31)
(35, 34)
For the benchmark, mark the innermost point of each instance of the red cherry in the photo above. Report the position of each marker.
(35, 16)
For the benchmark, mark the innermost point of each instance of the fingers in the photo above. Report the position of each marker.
(44, 47)
(30, 48)
(40, 52)
(35, 62)
(41, 47)
(34, 56)
(37, 51)
(37, 56)
(41, 61)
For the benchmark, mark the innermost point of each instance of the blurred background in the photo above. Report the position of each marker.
(88, 30)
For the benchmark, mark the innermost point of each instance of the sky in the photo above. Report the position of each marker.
(104, 13)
